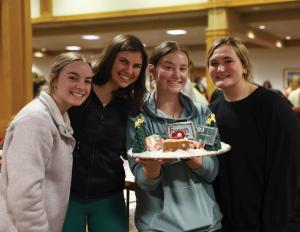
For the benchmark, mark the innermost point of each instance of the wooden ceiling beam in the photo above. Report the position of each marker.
(102, 27)
(240, 29)
(271, 16)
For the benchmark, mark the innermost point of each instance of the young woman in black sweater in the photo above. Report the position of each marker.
(258, 182)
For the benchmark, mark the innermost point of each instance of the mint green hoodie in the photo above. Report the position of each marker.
(181, 199)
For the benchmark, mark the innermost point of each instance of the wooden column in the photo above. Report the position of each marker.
(15, 58)
(218, 27)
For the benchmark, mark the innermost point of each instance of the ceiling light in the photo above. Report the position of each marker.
(278, 44)
(251, 35)
(262, 27)
(256, 8)
(176, 32)
(38, 54)
(90, 37)
(288, 37)
(73, 48)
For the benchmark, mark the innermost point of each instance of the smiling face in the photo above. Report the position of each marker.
(225, 67)
(73, 85)
(171, 72)
(126, 69)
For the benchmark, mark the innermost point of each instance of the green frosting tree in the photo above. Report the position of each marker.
(211, 122)
(140, 135)
(216, 146)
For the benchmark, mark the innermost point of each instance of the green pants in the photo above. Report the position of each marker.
(106, 214)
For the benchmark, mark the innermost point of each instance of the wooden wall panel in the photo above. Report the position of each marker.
(15, 58)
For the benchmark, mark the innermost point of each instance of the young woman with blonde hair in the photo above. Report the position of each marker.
(37, 154)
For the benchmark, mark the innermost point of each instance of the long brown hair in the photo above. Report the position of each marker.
(134, 93)
(165, 48)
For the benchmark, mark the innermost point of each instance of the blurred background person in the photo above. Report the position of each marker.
(294, 92)
(190, 89)
(267, 84)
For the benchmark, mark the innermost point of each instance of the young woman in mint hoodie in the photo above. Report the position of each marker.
(172, 196)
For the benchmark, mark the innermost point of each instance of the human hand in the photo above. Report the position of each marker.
(195, 162)
(151, 167)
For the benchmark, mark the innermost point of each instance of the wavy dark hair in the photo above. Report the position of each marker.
(134, 93)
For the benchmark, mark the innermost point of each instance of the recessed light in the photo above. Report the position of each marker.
(38, 54)
(90, 37)
(278, 44)
(262, 27)
(176, 32)
(288, 37)
(256, 8)
(73, 48)
(251, 35)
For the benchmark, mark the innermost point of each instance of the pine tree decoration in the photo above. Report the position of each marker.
(211, 121)
(140, 135)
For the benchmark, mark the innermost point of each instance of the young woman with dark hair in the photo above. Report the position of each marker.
(100, 131)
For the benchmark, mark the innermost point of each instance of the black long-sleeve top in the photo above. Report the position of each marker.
(258, 182)
(100, 134)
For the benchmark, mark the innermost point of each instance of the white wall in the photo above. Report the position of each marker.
(268, 64)
(35, 8)
(73, 7)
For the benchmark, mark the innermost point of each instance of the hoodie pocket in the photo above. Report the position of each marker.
(185, 209)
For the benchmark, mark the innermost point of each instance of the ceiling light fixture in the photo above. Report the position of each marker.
(38, 54)
(256, 8)
(73, 48)
(90, 37)
(176, 32)
(251, 35)
(288, 37)
(262, 27)
(278, 44)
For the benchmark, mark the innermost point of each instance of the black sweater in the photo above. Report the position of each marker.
(258, 183)
(100, 133)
